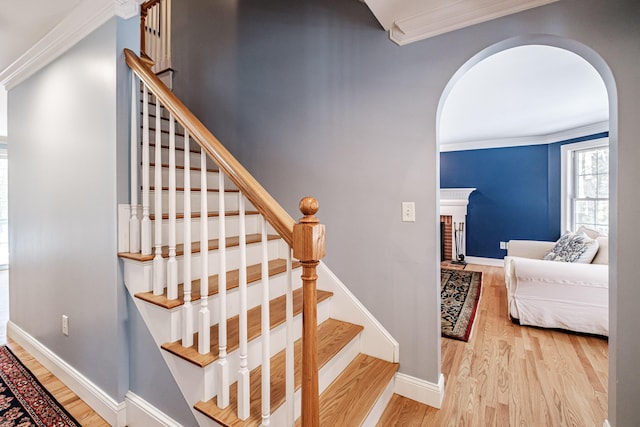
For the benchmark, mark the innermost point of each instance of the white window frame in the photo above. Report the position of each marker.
(566, 180)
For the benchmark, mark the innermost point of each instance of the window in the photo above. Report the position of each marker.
(585, 185)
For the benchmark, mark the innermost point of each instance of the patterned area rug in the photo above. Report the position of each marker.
(460, 295)
(24, 402)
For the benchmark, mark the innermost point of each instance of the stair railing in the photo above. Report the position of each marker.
(305, 240)
(155, 33)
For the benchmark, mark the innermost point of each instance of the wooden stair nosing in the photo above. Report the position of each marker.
(193, 168)
(254, 274)
(195, 247)
(351, 396)
(277, 317)
(195, 149)
(196, 189)
(212, 214)
(333, 336)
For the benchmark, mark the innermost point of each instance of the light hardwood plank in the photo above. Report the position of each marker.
(254, 321)
(333, 335)
(254, 274)
(509, 374)
(82, 412)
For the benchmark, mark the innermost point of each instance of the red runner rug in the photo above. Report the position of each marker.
(24, 402)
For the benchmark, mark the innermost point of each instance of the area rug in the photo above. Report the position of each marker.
(460, 295)
(24, 401)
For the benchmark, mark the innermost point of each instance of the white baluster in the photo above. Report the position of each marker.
(168, 35)
(243, 373)
(154, 33)
(146, 222)
(172, 263)
(289, 362)
(187, 308)
(204, 318)
(134, 221)
(158, 262)
(162, 59)
(223, 365)
(266, 330)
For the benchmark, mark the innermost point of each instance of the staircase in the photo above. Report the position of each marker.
(212, 275)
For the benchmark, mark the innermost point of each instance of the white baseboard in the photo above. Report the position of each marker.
(606, 423)
(107, 407)
(420, 390)
(142, 413)
(485, 261)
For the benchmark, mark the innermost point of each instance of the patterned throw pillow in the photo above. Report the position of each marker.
(578, 248)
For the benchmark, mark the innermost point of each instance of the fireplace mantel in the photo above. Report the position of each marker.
(453, 203)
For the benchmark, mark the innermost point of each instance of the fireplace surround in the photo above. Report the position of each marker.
(453, 210)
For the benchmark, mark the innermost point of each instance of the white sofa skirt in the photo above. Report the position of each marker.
(561, 295)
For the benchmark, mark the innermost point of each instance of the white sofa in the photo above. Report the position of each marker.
(554, 294)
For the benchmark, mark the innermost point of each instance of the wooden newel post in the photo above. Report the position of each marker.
(308, 248)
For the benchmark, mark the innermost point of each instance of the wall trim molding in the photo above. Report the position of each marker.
(142, 413)
(550, 138)
(495, 262)
(420, 390)
(83, 20)
(436, 18)
(107, 407)
(606, 423)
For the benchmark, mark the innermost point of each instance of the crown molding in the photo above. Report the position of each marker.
(550, 138)
(441, 17)
(84, 19)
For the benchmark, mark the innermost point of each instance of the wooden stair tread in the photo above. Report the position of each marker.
(278, 315)
(197, 189)
(211, 214)
(193, 148)
(195, 247)
(333, 336)
(254, 274)
(349, 399)
(193, 168)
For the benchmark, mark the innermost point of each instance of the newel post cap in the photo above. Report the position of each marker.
(308, 234)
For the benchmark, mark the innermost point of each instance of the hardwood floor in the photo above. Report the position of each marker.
(86, 416)
(509, 375)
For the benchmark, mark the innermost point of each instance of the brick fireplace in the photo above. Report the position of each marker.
(453, 209)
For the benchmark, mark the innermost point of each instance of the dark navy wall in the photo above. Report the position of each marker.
(517, 196)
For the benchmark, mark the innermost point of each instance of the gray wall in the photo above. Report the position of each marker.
(62, 211)
(69, 162)
(314, 99)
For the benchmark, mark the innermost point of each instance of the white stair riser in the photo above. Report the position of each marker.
(254, 256)
(231, 228)
(138, 275)
(212, 178)
(194, 158)
(230, 201)
(172, 319)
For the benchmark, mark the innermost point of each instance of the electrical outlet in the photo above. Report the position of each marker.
(504, 245)
(408, 211)
(65, 325)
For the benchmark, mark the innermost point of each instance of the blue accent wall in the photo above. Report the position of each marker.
(517, 196)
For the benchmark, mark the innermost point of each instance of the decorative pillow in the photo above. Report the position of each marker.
(578, 248)
(594, 234)
(552, 254)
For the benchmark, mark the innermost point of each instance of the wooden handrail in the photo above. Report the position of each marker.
(253, 191)
(144, 8)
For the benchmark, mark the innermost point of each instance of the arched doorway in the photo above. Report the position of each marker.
(599, 66)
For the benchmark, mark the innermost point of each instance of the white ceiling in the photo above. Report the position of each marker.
(23, 23)
(523, 92)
